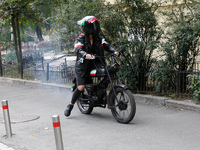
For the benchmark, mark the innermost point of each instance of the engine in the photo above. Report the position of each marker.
(96, 90)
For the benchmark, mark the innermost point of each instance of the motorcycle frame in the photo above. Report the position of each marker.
(111, 82)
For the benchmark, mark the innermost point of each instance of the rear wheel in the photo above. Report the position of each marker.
(84, 107)
(124, 111)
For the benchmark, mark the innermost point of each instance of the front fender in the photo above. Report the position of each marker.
(124, 87)
(121, 86)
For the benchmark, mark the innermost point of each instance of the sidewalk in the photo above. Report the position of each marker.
(162, 101)
(4, 147)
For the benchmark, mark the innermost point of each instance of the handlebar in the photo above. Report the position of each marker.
(93, 57)
(121, 50)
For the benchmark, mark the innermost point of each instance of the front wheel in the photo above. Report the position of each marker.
(124, 110)
(85, 108)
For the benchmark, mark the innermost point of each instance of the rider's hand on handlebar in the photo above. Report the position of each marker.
(116, 53)
(88, 56)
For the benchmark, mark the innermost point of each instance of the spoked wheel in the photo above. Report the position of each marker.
(83, 107)
(124, 111)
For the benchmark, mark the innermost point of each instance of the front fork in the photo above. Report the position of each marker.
(113, 89)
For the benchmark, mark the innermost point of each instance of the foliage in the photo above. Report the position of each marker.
(135, 18)
(13, 10)
(10, 71)
(26, 38)
(10, 57)
(133, 24)
(164, 76)
(17, 11)
(4, 38)
(195, 86)
(182, 39)
(74, 11)
(129, 23)
(180, 46)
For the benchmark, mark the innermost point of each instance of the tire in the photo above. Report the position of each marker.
(126, 109)
(84, 108)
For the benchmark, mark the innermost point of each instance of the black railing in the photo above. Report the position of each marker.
(175, 83)
(54, 74)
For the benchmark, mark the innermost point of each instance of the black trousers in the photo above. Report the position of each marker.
(94, 64)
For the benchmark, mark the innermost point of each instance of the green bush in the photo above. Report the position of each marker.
(25, 38)
(10, 57)
(195, 87)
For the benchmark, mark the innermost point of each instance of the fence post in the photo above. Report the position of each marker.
(22, 72)
(1, 68)
(6, 118)
(1, 71)
(57, 132)
(177, 84)
(42, 63)
(47, 71)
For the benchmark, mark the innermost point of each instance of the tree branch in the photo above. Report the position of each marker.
(190, 11)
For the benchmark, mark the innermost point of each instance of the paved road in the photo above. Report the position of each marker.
(153, 128)
(59, 58)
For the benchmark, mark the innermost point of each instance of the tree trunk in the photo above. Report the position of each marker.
(1, 68)
(15, 37)
(20, 65)
(39, 33)
(142, 79)
(142, 70)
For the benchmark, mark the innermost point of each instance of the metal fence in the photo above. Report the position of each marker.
(30, 59)
(41, 71)
(175, 82)
(53, 74)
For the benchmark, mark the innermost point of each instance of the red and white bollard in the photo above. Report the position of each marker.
(6, 118)
(29, 45)
(34, 46)
(57, 132)
(23, 46)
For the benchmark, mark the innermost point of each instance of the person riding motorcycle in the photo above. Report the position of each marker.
(86, 45)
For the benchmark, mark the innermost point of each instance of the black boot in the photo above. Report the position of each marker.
(75, 96)
(68, 110)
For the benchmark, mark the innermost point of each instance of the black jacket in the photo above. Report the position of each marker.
(82, 47)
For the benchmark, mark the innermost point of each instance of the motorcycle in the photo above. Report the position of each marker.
(118, 97)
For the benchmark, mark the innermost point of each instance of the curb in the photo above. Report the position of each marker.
(162, 101)
(140, 98)
(148, 99)
(33, 83)
(4, 147)
(182, 105)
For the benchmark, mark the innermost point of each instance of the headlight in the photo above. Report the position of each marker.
(114, 67)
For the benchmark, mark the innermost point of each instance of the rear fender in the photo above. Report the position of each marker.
(124, 87)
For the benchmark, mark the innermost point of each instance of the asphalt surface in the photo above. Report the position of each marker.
(57, 59)
(159, 124)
